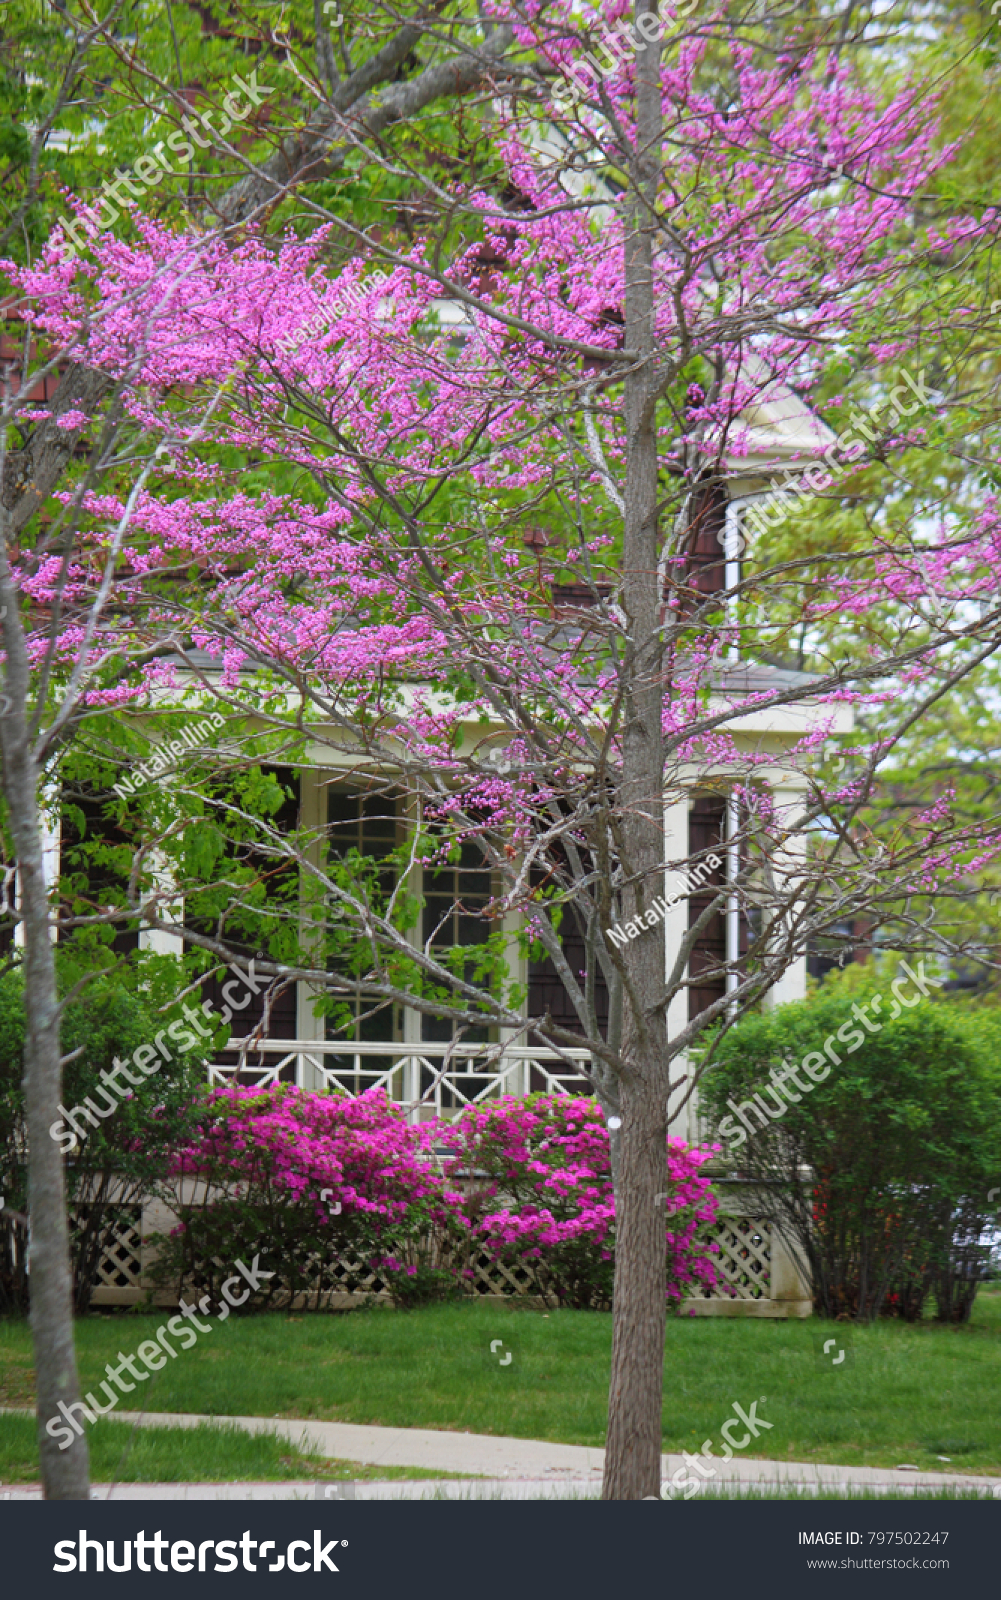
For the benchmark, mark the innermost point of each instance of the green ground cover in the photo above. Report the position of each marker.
(907, 1393)
(122, 1453)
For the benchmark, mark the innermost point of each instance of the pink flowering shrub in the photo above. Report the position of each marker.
(268, 1155)
(307, 1181)
(541, 1194)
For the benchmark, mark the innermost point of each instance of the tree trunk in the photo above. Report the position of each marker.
(65, 1473)
(632, 1456)
(632, 1459)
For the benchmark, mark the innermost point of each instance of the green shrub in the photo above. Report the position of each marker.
(882, 1169)
(120, 1159)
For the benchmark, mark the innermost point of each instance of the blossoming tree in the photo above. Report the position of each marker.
(471, 565)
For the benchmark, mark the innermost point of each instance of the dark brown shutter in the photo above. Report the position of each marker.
(546, 990)
(706, 833)
(578, 596)
(703, 564)
(707, 836)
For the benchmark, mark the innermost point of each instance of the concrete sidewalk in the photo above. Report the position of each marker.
(507, 1464)
(557, 1487)
(479, 1454)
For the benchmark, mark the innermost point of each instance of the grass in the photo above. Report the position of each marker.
(914, 1393)
(122, 1453)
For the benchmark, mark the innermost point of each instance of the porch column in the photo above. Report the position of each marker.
(168, 910)
(676, 847)
(792, 984)
(312, 804)
(51, 846)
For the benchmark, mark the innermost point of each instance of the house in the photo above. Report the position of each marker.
(415, 1057)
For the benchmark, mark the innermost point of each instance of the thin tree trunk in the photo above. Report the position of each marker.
(65, 1473)
(632, 1457)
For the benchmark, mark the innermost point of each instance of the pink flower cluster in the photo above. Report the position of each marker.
(392, 1265)
(542, 1189)
(295, 1144)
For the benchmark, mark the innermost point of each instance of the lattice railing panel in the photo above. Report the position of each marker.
(120, 1265)
(343, 1274)
(743, 1264)
(499, 1277)
(744, 1259)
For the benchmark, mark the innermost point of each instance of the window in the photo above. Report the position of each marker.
(702, 567)
(278, 881)
(455, 897)
(707, 834)
(367, 824)
(546, 991)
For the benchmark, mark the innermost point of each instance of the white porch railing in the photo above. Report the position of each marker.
(428, 1079)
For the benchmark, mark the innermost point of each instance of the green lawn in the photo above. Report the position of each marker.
(913, 1394)
(121, 1453)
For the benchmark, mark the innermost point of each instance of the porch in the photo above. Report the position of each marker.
(760, 1273)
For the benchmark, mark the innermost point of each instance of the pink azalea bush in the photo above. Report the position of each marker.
(540, 1193)
(267, 1156)
(306, 1180)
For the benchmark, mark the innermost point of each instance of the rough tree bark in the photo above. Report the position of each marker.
(31, 473)
(65, 1473)
(632, 1458)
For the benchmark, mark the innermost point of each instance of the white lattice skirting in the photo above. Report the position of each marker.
(759, 1271)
